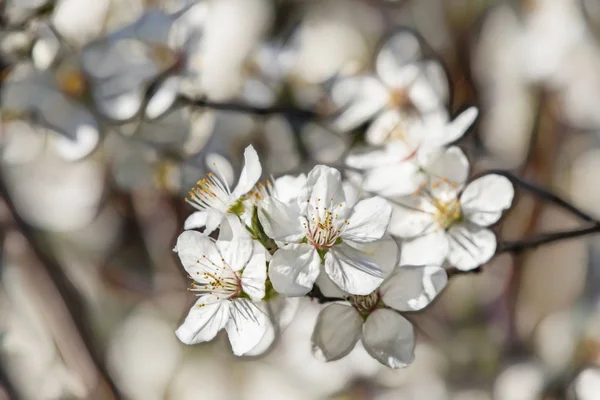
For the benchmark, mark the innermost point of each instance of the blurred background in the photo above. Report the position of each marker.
(112, 109)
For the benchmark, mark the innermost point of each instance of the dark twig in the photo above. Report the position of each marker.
(249, 109)
(545, 195)
(316, 294)
(519, 246)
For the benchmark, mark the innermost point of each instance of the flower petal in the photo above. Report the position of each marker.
(484, 199)
(163, 98)
(294, 269)
(360, 98)
(193, 246)
(323, 193)
(389, 338)
(337, 330)
(246, 327)
(447, 169)
(236, 252)
(86, 140)
(353, 270)
(412, 288)
(328, 288)
(402, 129)
(408, 220)
(288, 187)
(196, 220)
(250, 173)
(395, 62)
(254, 276)
(368, 221)
(437, 78)
(430, 249)
(280, 221)
(459, 125)
(203, 322)
(470, 246)
(399, 179)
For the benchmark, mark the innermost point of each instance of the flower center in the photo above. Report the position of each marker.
(214, 279)
(210, 193)
(324, 227)
(71, 81)
(365, 304)
(447, 213)
(399, 99)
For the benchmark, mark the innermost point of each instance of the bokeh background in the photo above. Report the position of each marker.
(90, 291)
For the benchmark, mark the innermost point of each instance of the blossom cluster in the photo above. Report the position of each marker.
(297, 234)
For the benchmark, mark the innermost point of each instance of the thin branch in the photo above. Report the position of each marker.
(316, 294)
(519, 246)
(250, 109)
(545, 195)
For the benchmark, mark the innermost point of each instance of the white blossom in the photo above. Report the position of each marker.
(215, 200)
(386, 335)
(443, 221)
(229, 279)
(323, 228)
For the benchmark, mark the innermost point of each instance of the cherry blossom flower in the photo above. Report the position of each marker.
(324, 228)
(386, 335)
(216, 201)
(229, 279)
(443, 221)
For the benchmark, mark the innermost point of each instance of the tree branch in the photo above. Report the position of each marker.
(545, 195)
(249, 109)
(519, 246)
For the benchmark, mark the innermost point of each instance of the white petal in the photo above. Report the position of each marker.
(86, 140)
(430, 249)
(337, 330)
(265, 342)
(437, 78)
(351, 192)
(368, 221)
(354, 271)
(196, 220)
(164, 97)
(288, 187)
(447, 169)
(254, 276)
(394, 180)
(393, 126)
(250, 173)
(324, 190)
(294, 269)
(459, 125)
(328, 288)
(280, 221)
(409, 221)
(395, 61)
(484, 199)
(359, 98)
(236, 252)
(203, 322)
(389, 338)
(470, 246)
(193, 246)
(424, 97)
(373, 158)
(246, 327)
(412, 288)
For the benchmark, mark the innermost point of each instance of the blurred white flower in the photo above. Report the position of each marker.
(406, 90)
(322, 227)
(409, 154)
(442, 221)
(215, 200)
(524, 381)
(229, 279)
(587, 384)
(49, 101)
(386, 335)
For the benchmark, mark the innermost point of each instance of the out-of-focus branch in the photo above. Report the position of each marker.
(249, 109)
(519, 246)
(545, 195)
(72, 313)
